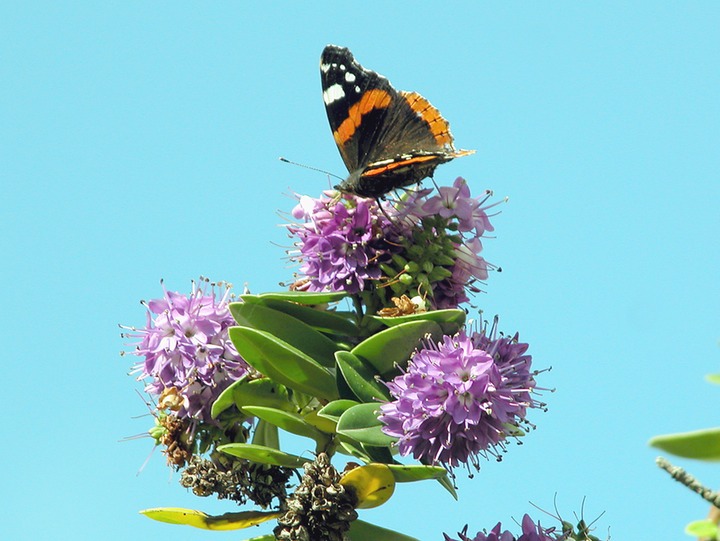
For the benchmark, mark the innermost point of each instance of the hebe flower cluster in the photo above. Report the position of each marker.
(419, 245)
(186, 350)
(530, 532)
(460, 398)
(341, 243)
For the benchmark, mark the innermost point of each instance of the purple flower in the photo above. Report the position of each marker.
(417, 245)
(459, 398)
(530, 532)
(455, 202)
(342, 242)
(186, 349)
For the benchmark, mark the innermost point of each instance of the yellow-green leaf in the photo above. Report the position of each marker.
(198, 519)
(374, 484)
(699, 444)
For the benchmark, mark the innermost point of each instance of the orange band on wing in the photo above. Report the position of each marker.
(438, 125)
(395, 165)
(369, 101)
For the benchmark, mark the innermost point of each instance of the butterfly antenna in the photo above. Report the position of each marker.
(309, 167)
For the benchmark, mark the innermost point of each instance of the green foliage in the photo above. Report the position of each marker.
(262, 455)
(700, 444)
(283, 363)
(704, 529)
(394, 346)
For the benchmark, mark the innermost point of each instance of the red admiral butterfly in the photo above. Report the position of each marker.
(387, 139)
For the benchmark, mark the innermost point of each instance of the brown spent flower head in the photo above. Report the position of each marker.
(239, 481)
(177, 442)
(321, 509)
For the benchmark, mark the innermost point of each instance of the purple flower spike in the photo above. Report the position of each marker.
(341, 242)
(185, 346)
(530, 532)
(460, 398)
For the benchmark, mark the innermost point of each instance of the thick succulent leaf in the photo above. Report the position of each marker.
(266, 434)
(301, 297)
(336, 408)
(225, 400)
(261, 392)
(351, 447)
(361, 424)
(700, 444)
(373, 484)
(262, 455)
(327, 321)
(364, 531)
(416, 472)
(283, 363)
(703, 529)
(421, 472)
(198, 519)
(447, 484)
(287, 328)
(361, 377)
(344, 390)
(291, 422)
(450, 321)
(383, 455)
(324, 424)
(395, 345)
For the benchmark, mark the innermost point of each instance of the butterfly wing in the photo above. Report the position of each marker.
(358, 104)
(387, 139)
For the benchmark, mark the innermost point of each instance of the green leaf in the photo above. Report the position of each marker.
(198, 519)
(395, 345)
(416, 472)
(323, 424)
(262, 455)
(225, 400)
(291, 422)
(364, 531)
(361, 424)
(300, 297)
(266, 434)
(328, 321)
(700, 444)
(704, 529)
(261, 392)
(447, 484)
(378, 454)
(450, 321)
(421, 472)
(361, 377)
(286, 328)
(351, 447)
(713, 378)
(283, 363)
(336, 408)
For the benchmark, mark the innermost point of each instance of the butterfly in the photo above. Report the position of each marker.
(387, 138)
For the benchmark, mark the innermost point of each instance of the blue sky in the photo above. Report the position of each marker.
(139, 141)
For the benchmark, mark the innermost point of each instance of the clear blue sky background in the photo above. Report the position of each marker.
(139, 141)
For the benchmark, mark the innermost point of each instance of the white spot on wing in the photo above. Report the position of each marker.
(342, 67)
(357, 89)
(333, 93)
(350, 77)
(324, 68)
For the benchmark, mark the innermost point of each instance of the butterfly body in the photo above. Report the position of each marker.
(388, 139)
